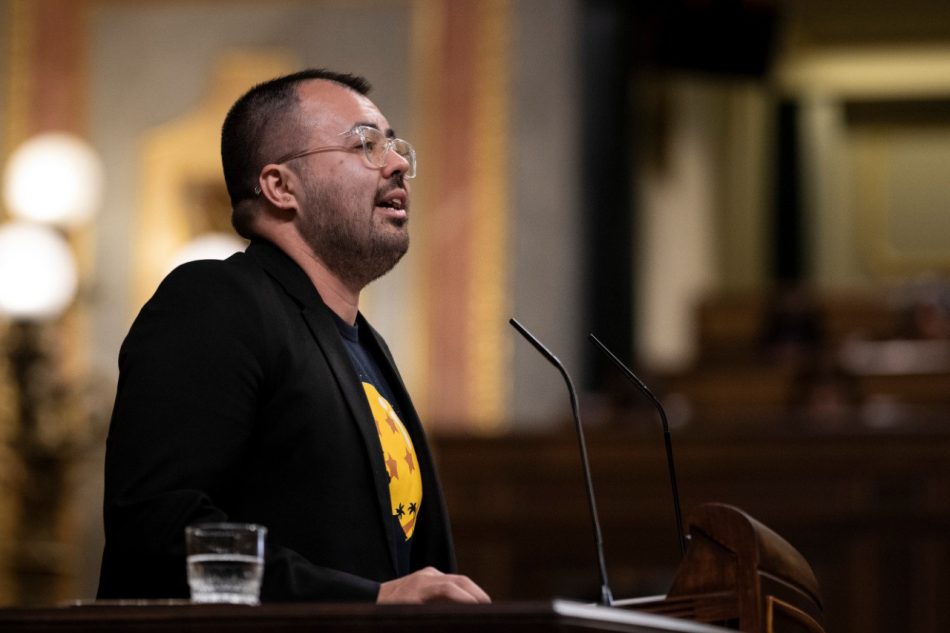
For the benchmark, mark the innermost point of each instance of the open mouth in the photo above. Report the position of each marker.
(394, 203)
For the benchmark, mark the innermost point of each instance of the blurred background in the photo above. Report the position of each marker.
(745, 200)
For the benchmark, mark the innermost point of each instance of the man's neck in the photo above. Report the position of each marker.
(340, 298)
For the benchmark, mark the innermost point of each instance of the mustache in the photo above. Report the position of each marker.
(396, 182)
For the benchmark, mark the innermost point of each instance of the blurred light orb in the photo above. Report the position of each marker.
(214, 245)
(53, 178)
(38, 276)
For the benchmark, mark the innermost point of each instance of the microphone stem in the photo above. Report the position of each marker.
(606, 597)
(667, 440)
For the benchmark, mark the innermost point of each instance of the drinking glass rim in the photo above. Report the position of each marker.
(225, 526)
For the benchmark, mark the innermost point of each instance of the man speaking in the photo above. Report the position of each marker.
(253, 390)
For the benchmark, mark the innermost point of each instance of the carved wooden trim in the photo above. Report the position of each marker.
(773, 606)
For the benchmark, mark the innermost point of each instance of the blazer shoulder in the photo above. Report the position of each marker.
(237, 278)
(217, 297)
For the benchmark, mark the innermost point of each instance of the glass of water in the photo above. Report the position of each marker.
(225, 562)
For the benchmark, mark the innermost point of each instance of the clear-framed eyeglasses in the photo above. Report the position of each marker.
(376, 145)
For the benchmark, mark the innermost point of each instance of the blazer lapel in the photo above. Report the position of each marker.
(320, 323)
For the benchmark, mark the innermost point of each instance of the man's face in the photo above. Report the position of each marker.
(354, 216)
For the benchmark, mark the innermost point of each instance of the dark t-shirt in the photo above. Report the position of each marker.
(405, 483)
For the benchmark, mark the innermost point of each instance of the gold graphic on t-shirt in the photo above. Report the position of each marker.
(405, 482)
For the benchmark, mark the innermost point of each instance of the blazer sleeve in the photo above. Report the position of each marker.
(190, 374)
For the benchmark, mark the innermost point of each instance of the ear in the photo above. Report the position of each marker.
(279, 185)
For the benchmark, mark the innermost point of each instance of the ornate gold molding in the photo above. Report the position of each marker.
(18, 23)
(18, 71)
(462, 282)
(488, 355)
(181, 193)
(426, 36)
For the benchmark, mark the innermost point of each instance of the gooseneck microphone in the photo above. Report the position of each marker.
(606, 597)
(671, 468)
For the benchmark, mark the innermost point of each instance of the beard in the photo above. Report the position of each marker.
(344, 231)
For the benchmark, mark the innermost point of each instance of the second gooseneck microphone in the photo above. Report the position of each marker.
(605, 594)
(671, 468)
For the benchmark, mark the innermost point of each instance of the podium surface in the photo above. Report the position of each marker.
(556, 615)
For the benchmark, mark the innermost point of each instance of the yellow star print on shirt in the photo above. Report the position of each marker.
(405, 482)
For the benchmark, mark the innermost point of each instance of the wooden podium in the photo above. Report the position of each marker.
(339, 618)
(737, 574)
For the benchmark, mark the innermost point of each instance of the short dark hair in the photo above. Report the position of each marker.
(254, 124)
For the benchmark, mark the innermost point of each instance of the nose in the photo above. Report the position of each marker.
(395, 163)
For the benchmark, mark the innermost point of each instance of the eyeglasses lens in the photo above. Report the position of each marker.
(376, 145)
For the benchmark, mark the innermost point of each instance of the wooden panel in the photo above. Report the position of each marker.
(867, 511)
(731, 326)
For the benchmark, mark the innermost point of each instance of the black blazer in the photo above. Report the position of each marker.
(237, 401)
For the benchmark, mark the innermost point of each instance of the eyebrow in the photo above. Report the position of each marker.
(390, 133)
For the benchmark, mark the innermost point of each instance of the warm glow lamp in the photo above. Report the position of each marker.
(38, 276)
(53, 178)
